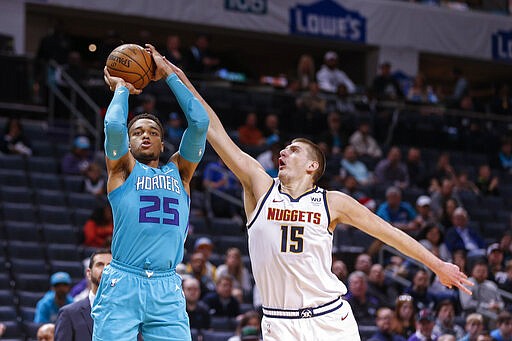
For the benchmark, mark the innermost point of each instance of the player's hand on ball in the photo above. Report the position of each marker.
(114, 82)
(163, 69)
(451, 276)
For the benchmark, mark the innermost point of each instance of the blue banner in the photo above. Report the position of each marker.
(328, 19)
(502, 46)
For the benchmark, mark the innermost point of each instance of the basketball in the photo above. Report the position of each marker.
(132, 63)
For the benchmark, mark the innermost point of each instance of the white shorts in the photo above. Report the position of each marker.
(338, 324)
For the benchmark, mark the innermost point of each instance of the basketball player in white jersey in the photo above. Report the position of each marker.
(290, 222)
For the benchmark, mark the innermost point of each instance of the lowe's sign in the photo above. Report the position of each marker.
(327, 19)
(502, 46)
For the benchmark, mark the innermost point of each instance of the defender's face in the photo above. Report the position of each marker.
(294, 160)
(146, 140)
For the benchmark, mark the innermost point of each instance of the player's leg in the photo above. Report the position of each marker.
(166, 316)
(115, 310)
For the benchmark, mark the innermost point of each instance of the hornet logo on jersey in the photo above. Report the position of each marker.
(113, 282)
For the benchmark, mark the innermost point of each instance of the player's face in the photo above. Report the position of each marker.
(146, 140)
(294, 161)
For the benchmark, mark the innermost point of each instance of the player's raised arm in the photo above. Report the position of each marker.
(250, 173)
(119, 161)
(345, 209)
(193, 142)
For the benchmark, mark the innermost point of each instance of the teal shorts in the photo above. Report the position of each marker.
(131, 299)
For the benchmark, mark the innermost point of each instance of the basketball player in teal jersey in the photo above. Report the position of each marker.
(140, 290)
(290, 225)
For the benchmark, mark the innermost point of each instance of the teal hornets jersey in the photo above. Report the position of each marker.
(151, 212)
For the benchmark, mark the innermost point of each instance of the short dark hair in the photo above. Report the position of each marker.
(318, 156)
(149, 117)
(98, 252)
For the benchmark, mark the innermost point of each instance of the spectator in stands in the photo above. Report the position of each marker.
(396, 211)
(363, 263)
(74, 321)
(418, 290)
(306, 71)
(98, 229)
(416, 168)
(14, 140)
(79, 158)
(205, 246)
(74, 68)
(425, 215)
(441, 195)
(431, 237)
(404, 319)
(351, 187)
(364, 143)
(147, 105)
(460, 89)
(174, 130)
(385, 86)
(81, 289)
(233, 266)
(462, 236)
(503, 332)
(197, 269)
(504, 278)
(446, 337)
(351, 165)
(447, 211)
(501, 103)
(380, 287)
(424, 326)
(420, 92)
(46, 332)
(311, 108)
(221, 302)
(384, 324)
(2, 329)
(248, 328)
(330, 76)
(94, 181)
(271, 131)
(334, 136)
(443, 170)
(339, 268)
(217, 176)
(197, 310)
(199, 58)
(486, 182)
(474, 326)
(342, 103)
(503, 161)
(485, 298)
(48, 306)
(363, 305)
(173, 51)
(506, 242)
(494, 260)
(392, 171)
(249, 134)
(463, 184)
(445, 321)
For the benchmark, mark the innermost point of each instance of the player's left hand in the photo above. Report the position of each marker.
(450, 275)
(114, 82)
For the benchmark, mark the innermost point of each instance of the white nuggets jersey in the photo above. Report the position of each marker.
(291, 250)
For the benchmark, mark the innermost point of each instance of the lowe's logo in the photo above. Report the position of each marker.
(328, 19)
(502, 46)
(246, 6)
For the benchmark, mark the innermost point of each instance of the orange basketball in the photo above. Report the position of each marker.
(132, 63)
